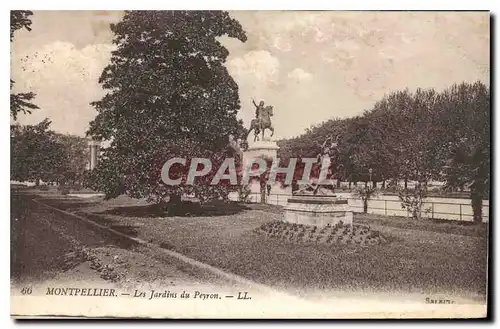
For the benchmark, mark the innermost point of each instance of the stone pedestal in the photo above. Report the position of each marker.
(259, 149)
(317, 210)
(268, 149)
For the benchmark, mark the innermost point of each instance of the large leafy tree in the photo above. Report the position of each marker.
(75, 151)
(465, 117)
(359, 148)
(20, 102)
(36, 153)
(169, 94)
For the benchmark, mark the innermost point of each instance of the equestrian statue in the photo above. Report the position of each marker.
(262, 120)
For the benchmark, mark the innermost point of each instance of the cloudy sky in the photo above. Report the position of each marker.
(311, 66)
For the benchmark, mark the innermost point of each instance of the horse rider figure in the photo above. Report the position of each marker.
(262, 120)
(258, 110)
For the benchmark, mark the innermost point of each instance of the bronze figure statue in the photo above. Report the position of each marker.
(262, 121)
(323, 160)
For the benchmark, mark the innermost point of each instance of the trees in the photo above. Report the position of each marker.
(465, 117)
(414, 136)
(19, 19)
(168, 95)
(38, 153)
(416, 146)
(20, 102)
(360, 148)
(309, 145)
(75, 152)
(35, 153)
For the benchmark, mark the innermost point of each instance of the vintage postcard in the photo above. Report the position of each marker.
(250, 164)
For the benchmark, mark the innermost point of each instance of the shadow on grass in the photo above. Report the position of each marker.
(275, 209)
(68, 261)
(166, 245)
(456, 222)
(130, 230)
(185, 209)
(69, 204)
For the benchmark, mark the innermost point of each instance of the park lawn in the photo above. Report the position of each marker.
(421, 260)
(425, 224)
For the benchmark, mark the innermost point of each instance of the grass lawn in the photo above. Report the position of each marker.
(431, 225)
(429, 257)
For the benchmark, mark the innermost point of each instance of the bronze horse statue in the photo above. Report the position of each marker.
(261, 124)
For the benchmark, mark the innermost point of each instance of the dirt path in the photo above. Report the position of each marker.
(49, 248)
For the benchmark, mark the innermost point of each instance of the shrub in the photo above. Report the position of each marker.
(365, 193)
(63, 189)
(413, 200)
(244, 194)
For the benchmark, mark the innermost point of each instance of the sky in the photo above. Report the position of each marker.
(311, 66)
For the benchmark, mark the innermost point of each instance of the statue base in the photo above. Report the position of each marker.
(317, 210)
(267, 149)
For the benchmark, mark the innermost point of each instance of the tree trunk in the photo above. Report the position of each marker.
(366, 184)
(37, 182)
(365, 205)
(374, 183)
(406, 184)
(174, 204)
(383, 184)
(477, 204)
(262, 193)
(350, 184)
(175, 199)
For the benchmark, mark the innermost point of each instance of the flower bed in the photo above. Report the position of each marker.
(337, 234)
